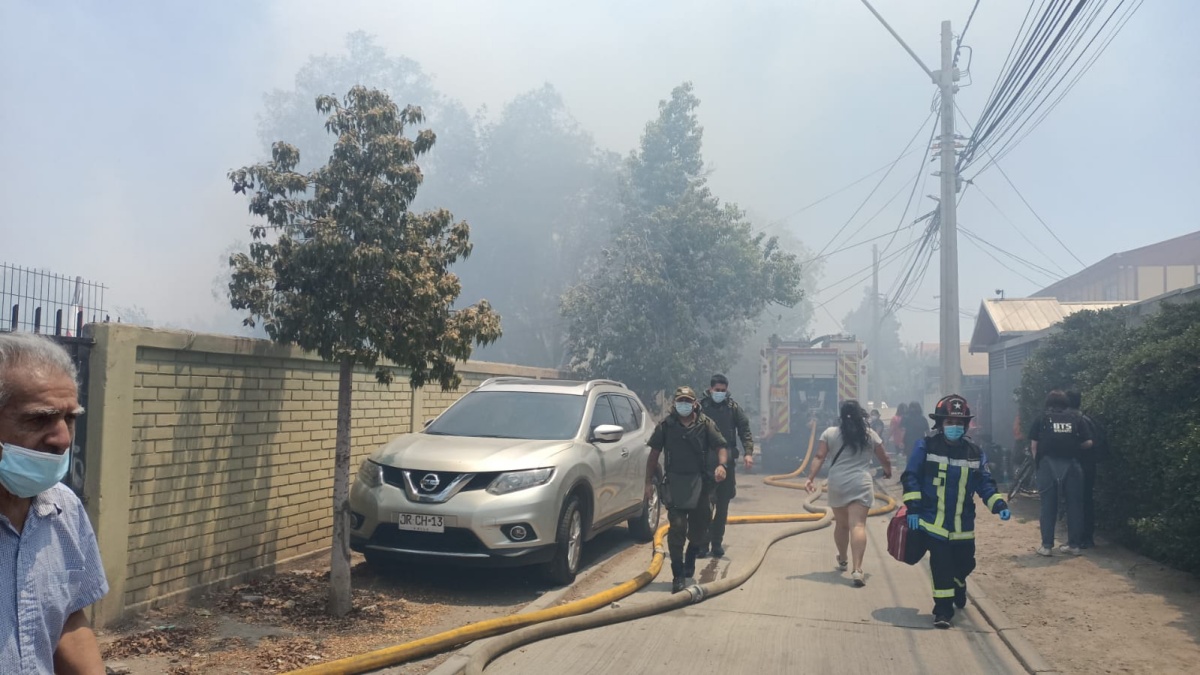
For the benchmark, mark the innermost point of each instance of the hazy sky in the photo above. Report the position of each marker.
(120, 120)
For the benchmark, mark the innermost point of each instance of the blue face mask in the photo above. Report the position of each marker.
(719, 396)
(684, 408)
(954, 432)
(27, 473)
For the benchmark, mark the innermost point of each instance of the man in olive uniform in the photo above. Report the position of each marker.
(696, 461)
(720, 407)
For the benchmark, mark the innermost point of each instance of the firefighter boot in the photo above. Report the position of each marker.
(678, 581)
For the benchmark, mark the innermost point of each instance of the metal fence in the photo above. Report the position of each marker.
(37, 301)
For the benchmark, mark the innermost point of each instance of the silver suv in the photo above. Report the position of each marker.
(517, 472)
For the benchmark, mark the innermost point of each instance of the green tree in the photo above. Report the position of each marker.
(343, 268)
(673, 297)
(545, 193)
(289, 113)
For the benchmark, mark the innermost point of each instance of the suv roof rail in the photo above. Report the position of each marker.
(592, 384)
(506, 378)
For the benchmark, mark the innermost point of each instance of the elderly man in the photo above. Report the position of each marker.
(50, 567)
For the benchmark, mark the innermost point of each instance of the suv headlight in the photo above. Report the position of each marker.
(370, 474)
(519, 480)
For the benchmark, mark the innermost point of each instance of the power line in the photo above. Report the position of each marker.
(1029, 206)
(999, 261)
(1018, 229)
(849, 220)
(837, 191)
(864, 242)
(1031, 265)
(859, 272)
(1075, 80)
(1035, 214)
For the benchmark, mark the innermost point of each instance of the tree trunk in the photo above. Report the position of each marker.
(340, 601)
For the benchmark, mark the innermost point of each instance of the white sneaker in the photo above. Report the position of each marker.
(1044, 552)
(857, 577)
(1070, 550)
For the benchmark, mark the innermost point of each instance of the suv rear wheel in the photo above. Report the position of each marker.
(645, 524)
(568, 543)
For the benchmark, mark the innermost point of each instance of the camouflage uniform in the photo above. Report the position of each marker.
(734, 425)
(690, 454)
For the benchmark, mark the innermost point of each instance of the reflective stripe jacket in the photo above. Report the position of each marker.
(940, 484)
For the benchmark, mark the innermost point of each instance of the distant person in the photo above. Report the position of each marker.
(1058, 440)
(896, 430)
(944, 473)
(1088, 460)
(876, 424)
(695, 462)
(720, 407)
(915, 425)
(851, 490)
(50, 569)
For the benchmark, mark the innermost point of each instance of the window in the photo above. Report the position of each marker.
(602, 414)
(627, 416)
(522, 415)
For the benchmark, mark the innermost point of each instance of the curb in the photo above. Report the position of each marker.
(458, 659)
(1009, 632)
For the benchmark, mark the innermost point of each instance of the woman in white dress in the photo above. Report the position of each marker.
(851, 489)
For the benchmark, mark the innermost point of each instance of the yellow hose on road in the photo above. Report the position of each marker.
(435, 644)
(779, 480)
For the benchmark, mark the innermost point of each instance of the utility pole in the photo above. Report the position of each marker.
(876, 319)
(951, 376)
(945, 78)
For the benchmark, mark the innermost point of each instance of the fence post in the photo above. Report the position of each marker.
(111, 384)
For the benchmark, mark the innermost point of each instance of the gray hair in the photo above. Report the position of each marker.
(27, 349)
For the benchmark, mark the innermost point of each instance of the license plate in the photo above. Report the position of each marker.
(415, 522)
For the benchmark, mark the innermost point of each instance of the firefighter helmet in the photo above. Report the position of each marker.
(952, 406)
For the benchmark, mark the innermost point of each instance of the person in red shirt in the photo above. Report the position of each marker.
(896, 429)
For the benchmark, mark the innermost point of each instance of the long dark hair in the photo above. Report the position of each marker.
(854, 426)
(902, 410)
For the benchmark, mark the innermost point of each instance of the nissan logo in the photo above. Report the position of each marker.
(430, 482)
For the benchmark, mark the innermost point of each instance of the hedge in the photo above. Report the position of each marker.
(1142, 383)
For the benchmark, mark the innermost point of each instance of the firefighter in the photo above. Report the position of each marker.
(944, 473)
(720, 407)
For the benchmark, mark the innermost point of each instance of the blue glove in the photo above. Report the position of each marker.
(1005, 514)
(914, 521)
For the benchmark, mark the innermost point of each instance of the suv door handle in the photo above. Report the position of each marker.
(624, 452)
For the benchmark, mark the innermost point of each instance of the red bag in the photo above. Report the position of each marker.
(903, 545)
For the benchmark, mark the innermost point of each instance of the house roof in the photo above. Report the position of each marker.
(1183, 250)
(1002, 318)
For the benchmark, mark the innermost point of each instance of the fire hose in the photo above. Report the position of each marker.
(524, 628)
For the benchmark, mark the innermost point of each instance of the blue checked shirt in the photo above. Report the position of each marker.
(48, 572)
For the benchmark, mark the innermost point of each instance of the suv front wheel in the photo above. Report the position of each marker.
(568, 544)
(644, 525)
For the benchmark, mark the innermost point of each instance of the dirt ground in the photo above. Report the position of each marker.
(277, 624)
(1107, 611)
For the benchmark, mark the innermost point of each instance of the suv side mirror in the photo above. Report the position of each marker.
(607, 433)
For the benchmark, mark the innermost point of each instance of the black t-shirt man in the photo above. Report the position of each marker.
(1060, 433)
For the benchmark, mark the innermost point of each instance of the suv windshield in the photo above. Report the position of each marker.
(512, 414)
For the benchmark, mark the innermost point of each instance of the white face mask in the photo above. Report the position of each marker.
(719, 396)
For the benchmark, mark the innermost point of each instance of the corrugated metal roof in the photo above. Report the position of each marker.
(1029, 315)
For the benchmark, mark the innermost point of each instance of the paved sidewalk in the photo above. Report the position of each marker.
(797, 614)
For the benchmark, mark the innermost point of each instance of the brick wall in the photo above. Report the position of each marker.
(227, 465)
